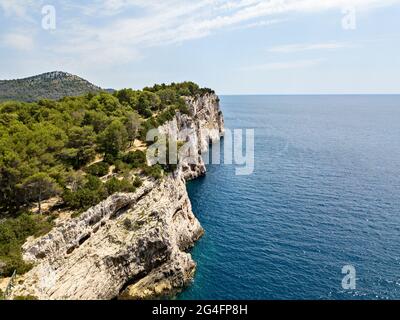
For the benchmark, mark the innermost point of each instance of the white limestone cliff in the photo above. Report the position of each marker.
(130, 245)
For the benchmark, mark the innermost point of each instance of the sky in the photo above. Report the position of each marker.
(232, 46)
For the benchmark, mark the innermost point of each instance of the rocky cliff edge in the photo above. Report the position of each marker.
(132, 246)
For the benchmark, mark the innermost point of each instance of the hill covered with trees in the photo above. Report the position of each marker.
(51, 85)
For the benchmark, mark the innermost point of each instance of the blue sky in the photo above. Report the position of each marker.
(233, 46)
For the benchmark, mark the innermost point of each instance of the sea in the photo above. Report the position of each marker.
(319, 218)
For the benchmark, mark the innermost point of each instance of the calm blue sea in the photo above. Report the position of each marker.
(325, 193)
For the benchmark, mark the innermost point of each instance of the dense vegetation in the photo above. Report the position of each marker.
(52, 85)
(67, 147)
(13, 233)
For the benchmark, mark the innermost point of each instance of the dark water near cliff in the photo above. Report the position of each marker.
(325, 193)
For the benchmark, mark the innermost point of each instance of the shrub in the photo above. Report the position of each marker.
(154, 171)
(167, 96)
(166, 115)
(137, 183)
(136, 159)
(121, 167)
(13, 234)
(93, 191)
(146, 113)
(183, 108)
(83, 199)
(86, 196)
(110, 159)
(25, 298)
(99, 169)
(114, 185)
(146, 126)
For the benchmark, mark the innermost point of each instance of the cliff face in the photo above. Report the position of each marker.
(130, 245)
(204, 123)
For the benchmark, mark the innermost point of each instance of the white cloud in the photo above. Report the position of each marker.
(310, 47)
(117, 31)
(18, 41)
(114, 7)
(285, 65)
(20, 9)
(172, 21)
(257, 24)
(11, 7)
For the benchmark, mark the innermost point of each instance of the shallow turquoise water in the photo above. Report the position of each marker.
(325, 193)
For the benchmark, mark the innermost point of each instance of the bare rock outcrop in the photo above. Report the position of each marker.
(132, 245)
(203, 125)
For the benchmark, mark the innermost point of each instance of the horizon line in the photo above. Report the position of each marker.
(308, 94)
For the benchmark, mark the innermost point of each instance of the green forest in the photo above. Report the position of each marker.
(63, 148)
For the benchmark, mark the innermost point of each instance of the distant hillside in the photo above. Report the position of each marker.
(52, 85)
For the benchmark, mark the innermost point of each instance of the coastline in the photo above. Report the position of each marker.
(132, 246)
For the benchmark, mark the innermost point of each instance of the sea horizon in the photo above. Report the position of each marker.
(311, 94)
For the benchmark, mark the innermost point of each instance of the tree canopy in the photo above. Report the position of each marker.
(67, 148)
(43, 143)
